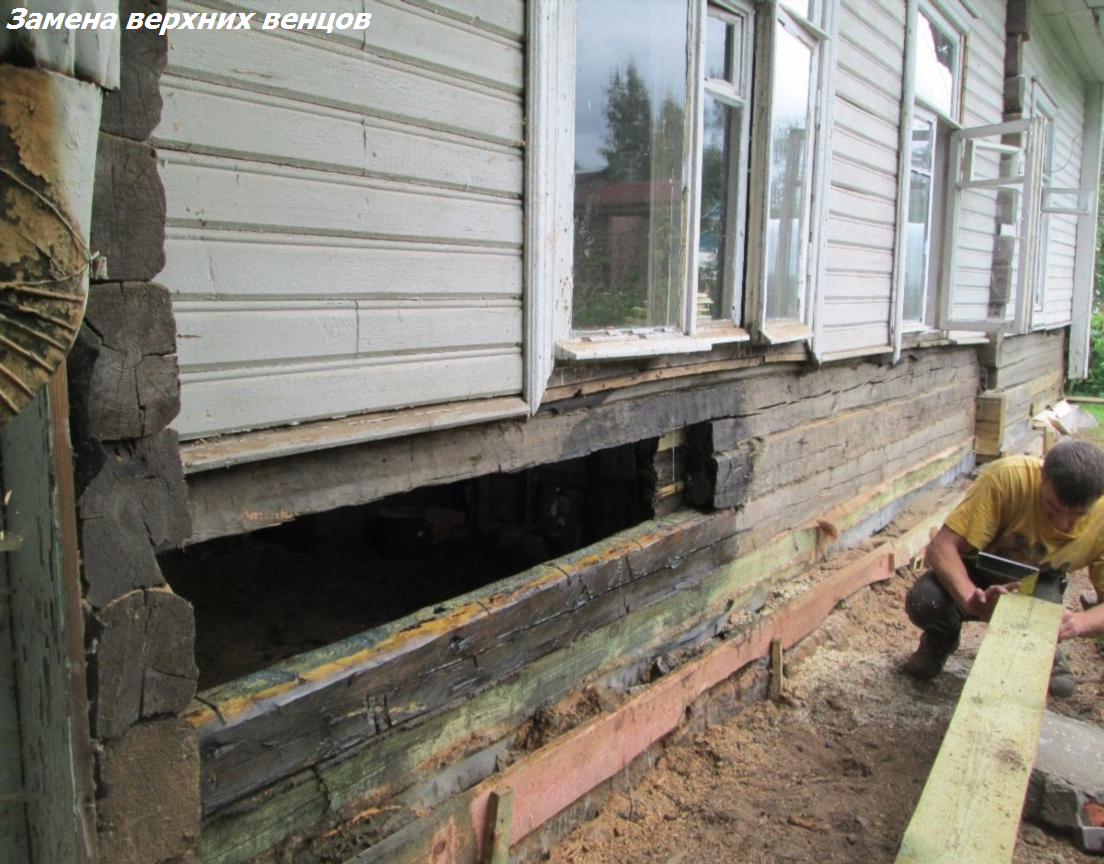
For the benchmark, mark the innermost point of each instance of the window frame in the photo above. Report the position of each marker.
(912, 102)
(962, 151)
(693, 334)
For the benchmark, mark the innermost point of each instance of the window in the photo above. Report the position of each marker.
(1045, 110)
(936, 57)
(688, 224)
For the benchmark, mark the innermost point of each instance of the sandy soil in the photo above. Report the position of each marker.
(833, 771)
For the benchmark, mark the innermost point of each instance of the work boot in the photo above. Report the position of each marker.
(1063, 684)
(935, 647)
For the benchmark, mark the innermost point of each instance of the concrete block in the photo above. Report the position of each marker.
(1067, 772)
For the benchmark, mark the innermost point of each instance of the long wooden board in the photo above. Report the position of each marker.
(971, 804)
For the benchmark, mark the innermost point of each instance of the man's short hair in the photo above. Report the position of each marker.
(1075, 470)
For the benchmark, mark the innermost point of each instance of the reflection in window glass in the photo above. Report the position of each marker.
(936, 64)
(717, 232)
(630, 97)
(718, 63)
(917, 245)
(789, 130)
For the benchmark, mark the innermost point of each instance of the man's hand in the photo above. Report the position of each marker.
(1088, 623)
(981, 603)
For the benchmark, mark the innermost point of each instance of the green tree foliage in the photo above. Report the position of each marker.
(1094, 384)
(629, 114)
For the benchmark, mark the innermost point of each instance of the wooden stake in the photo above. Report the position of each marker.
(499, 814)
(778, 679)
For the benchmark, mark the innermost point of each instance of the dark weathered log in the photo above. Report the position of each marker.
(131, 503)
(134, 110)
(128, 209)
(123, 371)
(141, 662)
(257, 495)
(404, 671)
(147, 809)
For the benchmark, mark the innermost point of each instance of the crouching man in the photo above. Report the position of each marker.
(1044, 513)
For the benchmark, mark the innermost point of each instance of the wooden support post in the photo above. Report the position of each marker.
(500, 812)
(778, 679)
(970, 807)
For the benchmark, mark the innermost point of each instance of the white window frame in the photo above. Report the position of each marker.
(821, 41)
(550, 215)
(951, 24)
(965, 144)
(733, 94)
(1045, 109)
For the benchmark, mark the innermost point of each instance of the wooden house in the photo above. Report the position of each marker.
(653, 303)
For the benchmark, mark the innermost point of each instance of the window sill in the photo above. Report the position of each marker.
(621, 346)
(781, 332)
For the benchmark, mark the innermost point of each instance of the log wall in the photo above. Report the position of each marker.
(131, 498)
(384, 726)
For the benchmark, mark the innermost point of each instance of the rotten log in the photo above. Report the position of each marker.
(128, 209)
(123, 370)
(147, 809)
(256, 495)
(143, 660)
(134, 110)
(131, 503)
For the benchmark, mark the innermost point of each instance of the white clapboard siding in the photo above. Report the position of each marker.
(325, 72)
(858, 285)
(282, 131)
(983, 102)
(507, 18)
(401, 30)
(235, 401)
(230, 265)
(215, 191)
(1047, 65)
(344, 212)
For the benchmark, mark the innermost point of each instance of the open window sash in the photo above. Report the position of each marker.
(987, 256)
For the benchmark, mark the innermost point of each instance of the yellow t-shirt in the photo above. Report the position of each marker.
(1003, 514)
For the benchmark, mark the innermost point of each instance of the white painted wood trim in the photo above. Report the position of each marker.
(822, 181)
(1086, 236)
(904, 161)
(692, 160)
(958, 142)
(549, 187)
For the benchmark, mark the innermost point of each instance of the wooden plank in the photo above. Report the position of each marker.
(971, 804)
(53, 732)
(13, 813)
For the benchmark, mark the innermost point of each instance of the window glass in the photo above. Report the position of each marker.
(936, 65)
(717, 49)
(917, 240)
(630, 100)
(789, 130)
(719, 162)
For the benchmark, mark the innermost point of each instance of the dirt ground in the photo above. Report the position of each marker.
(831, 772)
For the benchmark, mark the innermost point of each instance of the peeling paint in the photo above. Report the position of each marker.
(48, 128)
